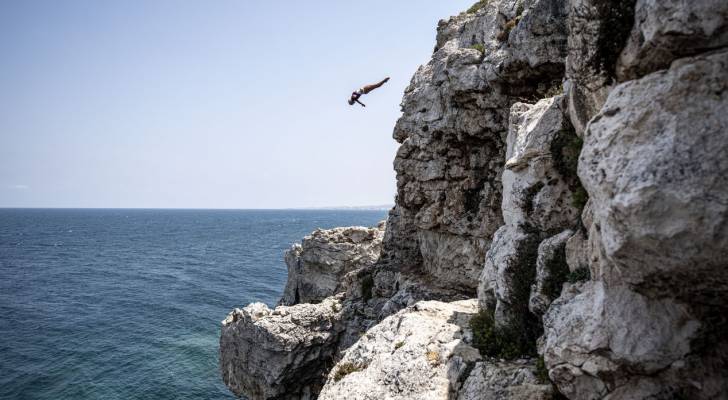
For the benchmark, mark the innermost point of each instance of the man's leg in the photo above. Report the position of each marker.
(369, 88)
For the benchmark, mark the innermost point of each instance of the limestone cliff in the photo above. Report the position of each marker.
(565, 162)
(321, 265)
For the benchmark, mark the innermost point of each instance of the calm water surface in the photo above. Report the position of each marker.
(126, 304)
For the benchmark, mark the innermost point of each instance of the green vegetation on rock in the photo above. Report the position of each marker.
(558, 272)
(517, 336)
(579, 198)
(554, 90)
(507, 28)
(477, 6)
(542, 373)
(579, 275)
(618, 18)
(565, 150)
(519, 9)
(500, 342)
(346, 369)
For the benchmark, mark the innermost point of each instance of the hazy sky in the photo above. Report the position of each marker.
(204, 104)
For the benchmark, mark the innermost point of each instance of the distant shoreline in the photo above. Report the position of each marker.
(362, 208)
(339, 208)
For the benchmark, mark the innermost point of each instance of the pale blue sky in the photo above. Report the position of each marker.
(204, 104)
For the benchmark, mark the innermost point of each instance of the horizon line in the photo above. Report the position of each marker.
(313, 208)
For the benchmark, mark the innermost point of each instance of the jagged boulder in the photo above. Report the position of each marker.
(598, 30)
(448, 187)
(424, 352)
(317, 266)
(655, 164)
(421, 352)
(551, 272)
(453, 128)
(602, 340)
(525, 56)
(280, 353)
(539, 185)
(499, 380)
(670, 29)
(539, 178)
(510, 245)
(452, 132)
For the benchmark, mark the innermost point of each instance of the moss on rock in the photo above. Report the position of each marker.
(558, 273)
(579, 275)
(618, 18)
(477, 6)
(565, 150)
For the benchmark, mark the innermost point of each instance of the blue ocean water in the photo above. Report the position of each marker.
(127, 304)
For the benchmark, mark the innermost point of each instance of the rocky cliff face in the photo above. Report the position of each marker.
(323, 264)
(565, 162)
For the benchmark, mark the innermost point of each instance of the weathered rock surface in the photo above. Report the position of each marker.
(447, 166)
(316, 267)
(670, 29)
(424, 352)
(505, 252)
(429, 338)
(626, 277)
(537, 180)
(604, 340)
(655, 162)
(598, 30)
(453, 129)
(504, 381)
(537, 203)
(286, 353)
(266, 354)
(526, 58)
(551, 272)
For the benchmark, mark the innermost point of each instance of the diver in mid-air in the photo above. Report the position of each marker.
(364, 90)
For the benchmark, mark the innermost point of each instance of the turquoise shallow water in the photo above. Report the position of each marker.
(126, 304)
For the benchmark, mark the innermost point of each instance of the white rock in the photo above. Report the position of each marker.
(598, 338)
(534, 192)
(316, 267)
(453, 129)
(669, 29)
(504, 381)
(655, 164)
(551, 271)
(597, 29)
(537, 202)
(267, 354)
(418, 353)
(452, 258)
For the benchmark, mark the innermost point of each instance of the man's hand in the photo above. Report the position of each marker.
(362, 104)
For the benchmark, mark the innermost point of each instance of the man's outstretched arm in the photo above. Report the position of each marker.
(362, 104)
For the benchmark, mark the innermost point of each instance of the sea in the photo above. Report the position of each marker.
(126, 304)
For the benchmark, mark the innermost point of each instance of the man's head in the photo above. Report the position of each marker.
(351, 101)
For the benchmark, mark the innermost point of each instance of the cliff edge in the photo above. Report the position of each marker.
(560, 227)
